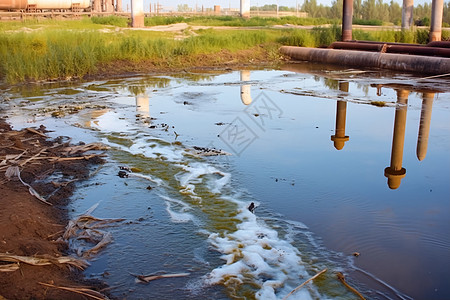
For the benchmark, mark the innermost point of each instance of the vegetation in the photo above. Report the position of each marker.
(373, 11)
(48, 49)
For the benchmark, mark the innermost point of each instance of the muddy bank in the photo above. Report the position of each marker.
(258, 57)
(30, 227)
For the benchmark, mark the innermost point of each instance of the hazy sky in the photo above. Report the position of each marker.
(235, 3)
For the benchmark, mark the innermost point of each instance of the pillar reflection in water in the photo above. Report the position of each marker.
(143, 105)
(246, 98)
(339, 138)
(424, 127)
(395, 172)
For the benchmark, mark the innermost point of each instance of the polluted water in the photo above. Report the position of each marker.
(246, 184)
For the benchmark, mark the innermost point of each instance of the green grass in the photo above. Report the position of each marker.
(41, 50)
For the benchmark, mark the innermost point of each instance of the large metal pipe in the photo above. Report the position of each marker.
(440, 44)
(407, 14)
(137, 13)
(437, 10)
(393, 48)
(347, 18)
(398, 62)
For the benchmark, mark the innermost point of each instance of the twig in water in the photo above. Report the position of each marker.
(303, 284)
(341, 277)
(148, 278)
(435, 76)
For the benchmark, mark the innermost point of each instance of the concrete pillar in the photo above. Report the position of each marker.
(245, 8)
(395, 172)
(407, 14)
(347, 17)
(424, 127)
(109, 6)
(246, 97)
(437, 10)
(97, 5)
(119, 5)
(339, 138)
(137, 13)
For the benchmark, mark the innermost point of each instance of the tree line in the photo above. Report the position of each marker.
(370, 12)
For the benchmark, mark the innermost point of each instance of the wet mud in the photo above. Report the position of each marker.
(30, 227)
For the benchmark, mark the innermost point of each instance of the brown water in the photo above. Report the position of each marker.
(337, 162)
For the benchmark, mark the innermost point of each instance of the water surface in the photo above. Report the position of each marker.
(336, 162)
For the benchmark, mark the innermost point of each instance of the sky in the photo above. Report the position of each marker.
(172, 4)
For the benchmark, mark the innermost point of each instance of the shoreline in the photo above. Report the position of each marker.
(34, 229)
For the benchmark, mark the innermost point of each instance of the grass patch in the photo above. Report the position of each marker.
(111, 20)
(36, 50)
(61, 54)
(236, 21)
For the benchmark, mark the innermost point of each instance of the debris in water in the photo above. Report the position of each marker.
(303, 284)
(203, 151)
(252, 207)
(341, 277)
(148, 278)
(87, 228)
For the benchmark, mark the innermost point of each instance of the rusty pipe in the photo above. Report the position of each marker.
(440, 44)
(347, 17)
(362, 59)
(393, 48)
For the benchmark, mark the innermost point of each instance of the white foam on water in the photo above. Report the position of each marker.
(158, 181)
(194, 175)
(255, 252)
(155, 150)
(179, 216)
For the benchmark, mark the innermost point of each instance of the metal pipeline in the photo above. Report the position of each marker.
(393, 48)
(362, 59)
(440, 44)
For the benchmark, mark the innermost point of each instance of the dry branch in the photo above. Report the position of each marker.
(36, 132)
(9, 267)
(44, 261)
(79, 290)
(14, 171)
(148, 278)
(341, 277)
(303, 284)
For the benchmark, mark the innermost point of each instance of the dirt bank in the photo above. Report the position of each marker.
(257, 57)
(29, 227)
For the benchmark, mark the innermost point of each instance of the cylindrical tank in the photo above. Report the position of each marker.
(13, 4)
(43, 4)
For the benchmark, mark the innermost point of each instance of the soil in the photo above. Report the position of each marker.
(29, 227)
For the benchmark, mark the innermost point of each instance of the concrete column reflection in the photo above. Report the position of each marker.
(339, 138)
(143, 105)
(424, 127)
(246, 97)
(395, 172)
